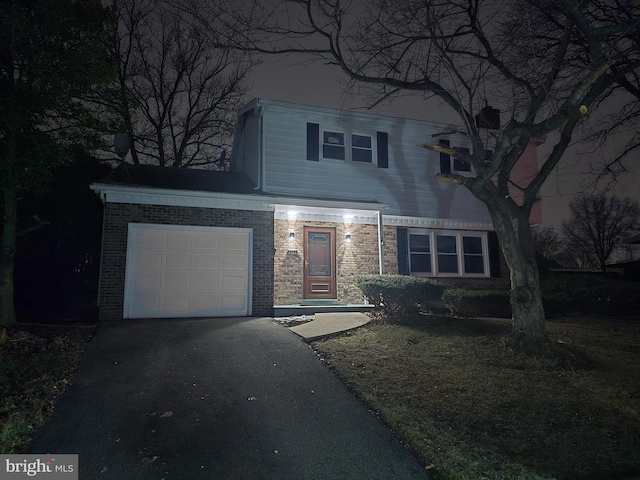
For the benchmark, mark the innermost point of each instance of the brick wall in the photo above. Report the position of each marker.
(358, 257)
(117, 217)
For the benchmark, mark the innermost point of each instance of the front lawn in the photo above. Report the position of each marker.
(36, 363)
(471, 409)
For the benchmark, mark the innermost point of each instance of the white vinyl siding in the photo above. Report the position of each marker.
(408, 185)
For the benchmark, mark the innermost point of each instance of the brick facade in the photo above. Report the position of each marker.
(117, 217)
(358, 257)
(278, 263)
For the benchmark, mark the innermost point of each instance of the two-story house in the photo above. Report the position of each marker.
(313, 196)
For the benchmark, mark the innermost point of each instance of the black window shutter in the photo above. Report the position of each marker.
(313, 142)
(383, 150)
(494, 254)
(445, 159)
(403, 251)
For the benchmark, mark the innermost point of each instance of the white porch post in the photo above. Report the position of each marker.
(380, 243)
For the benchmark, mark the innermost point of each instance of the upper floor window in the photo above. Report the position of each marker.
(347, 146)
(333, 145)
(450, 164)
(361, 148)
(344, 146)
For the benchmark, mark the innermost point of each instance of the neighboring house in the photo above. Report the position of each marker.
(313, 197)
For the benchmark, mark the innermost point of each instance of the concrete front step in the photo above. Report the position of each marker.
(288, 310)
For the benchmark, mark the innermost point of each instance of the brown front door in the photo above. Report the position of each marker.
(319, 262)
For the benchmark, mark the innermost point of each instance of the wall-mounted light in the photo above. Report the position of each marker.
(348, 236)
(292, 235)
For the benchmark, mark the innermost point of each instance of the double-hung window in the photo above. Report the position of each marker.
(420, 252)
(361, 148)
(347, 146)
(333, 145)
(451, 164)
(447, 253)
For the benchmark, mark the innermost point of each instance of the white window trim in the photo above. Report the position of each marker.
(459, 234)
(348, 146)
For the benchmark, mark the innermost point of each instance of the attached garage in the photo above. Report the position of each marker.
(187, 271)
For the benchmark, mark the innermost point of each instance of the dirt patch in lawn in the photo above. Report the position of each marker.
(471, 409)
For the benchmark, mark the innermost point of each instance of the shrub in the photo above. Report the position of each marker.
(399, 293)
(589, 293)
(493, 303)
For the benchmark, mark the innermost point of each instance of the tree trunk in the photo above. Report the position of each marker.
(514, 234)
(7, 258)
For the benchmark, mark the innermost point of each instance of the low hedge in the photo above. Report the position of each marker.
(561, 295)
(476, 303)
(399, 293)
(589, 293)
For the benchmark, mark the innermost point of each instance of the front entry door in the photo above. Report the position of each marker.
(319, 262)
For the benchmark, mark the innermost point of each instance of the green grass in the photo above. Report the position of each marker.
(35, 366)
(471, 409)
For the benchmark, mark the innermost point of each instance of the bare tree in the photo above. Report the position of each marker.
(178, 90)
(599, 224)
(547, 242)
(544, 63)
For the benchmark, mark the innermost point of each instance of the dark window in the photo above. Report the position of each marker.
(361, 149)
(460, 165)
(447, 254)
(473, 258)
(333, 145)
(420, 253)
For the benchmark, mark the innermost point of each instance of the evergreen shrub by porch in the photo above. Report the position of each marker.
(589, 293)
(475, 303)
(399, 293)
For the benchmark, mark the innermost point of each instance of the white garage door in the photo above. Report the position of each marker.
(178, 271)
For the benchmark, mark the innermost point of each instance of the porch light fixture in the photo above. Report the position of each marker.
(348, 236)
(292, 235)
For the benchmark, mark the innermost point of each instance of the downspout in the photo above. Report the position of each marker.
(103, 199)
(261, 172)
(380, 243)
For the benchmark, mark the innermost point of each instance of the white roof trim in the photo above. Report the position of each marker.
(307, 208)
(190, 198)
(435, 223)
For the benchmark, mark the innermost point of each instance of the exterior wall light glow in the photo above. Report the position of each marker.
(292, 235)
(348, 236)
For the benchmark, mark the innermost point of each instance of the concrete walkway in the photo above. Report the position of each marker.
(330, 323)
(221, 398)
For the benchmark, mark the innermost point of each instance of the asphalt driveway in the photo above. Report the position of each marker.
(219, 399)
